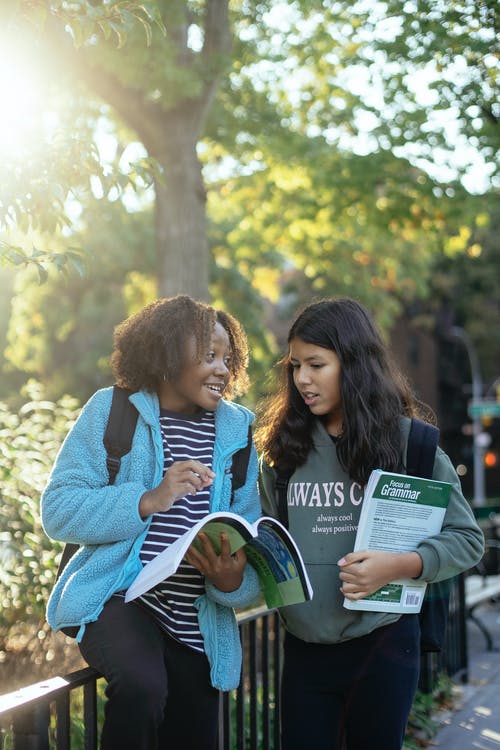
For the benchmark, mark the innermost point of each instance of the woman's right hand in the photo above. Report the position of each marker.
(365, 571)
(181, 478)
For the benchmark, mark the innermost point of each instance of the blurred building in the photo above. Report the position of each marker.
(438, 368)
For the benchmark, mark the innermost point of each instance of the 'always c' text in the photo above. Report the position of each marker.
(323, 494)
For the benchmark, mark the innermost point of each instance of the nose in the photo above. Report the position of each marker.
(302, 375)
(221, 368)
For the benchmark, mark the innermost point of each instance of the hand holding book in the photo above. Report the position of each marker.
(365, 571)
(269, 548)
(223, 568)
(398, 512)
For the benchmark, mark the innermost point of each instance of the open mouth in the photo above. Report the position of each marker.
(310, 398)
(217, 388)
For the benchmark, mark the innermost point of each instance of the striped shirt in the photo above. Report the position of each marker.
(172, 601)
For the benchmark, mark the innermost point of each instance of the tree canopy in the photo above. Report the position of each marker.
(277, 151)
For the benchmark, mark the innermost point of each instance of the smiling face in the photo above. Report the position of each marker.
(316, 375)
(201, 382)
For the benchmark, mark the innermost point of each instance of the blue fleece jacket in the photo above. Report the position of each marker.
(78, 505)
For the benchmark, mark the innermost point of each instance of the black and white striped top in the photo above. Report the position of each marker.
(172, 601)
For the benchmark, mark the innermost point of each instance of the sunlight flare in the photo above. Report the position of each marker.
(21, 101)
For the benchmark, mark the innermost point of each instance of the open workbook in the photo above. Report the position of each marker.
(398, 512)
(268, 546)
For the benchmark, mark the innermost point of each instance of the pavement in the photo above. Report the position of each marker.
(474, 722)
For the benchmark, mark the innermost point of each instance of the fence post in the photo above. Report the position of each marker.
(30, 728)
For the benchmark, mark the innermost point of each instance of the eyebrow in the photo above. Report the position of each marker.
(312, 358)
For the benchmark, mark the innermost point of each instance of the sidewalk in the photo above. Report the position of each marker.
(475, 722)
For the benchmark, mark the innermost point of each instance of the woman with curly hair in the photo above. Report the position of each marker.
(342, 409)
(166, 655)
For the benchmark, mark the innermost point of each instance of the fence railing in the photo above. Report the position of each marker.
(45, 717)
(453, 659)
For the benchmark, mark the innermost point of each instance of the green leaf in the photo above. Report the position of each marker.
(105, 28)
(42, 273)
(120, 32)
(147, 29)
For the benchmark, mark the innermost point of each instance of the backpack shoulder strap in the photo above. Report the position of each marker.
(120, 430)
(240, 464)
(282, 479)
(422, 444)
(421, 451)
(117, 440)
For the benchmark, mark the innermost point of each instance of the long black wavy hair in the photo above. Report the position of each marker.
(374, 395)
(150, 346)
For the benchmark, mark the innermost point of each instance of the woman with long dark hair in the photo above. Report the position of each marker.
(342, 409)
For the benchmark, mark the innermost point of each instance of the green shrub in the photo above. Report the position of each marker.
(29, 441)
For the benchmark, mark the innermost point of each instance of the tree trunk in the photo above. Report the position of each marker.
(180, 220)
(169, 134)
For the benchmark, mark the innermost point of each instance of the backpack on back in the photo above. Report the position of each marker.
(421, 451)
(422, 445)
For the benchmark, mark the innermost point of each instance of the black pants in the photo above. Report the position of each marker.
(159, 692)
(355, 695)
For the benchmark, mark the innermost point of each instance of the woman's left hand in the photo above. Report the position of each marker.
(365, 571)
(225, 570)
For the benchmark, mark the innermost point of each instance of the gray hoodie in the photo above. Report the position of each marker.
(324, 506)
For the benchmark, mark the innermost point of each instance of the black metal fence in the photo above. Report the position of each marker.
(46, 716)
(453, 659)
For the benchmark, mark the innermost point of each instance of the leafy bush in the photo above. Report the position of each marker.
(29, 441)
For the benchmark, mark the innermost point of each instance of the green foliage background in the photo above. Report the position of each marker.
(29, 441)
(313, 188)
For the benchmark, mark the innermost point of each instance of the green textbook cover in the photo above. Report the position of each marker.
(398, 512)
(269, 548)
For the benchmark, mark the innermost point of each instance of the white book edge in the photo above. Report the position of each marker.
(166, 562)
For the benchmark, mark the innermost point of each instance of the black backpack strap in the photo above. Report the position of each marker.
(421, 451)
(117, 440)
(282, 478)
(120, 430)
(239, 465)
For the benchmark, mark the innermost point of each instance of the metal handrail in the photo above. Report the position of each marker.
(249, 716)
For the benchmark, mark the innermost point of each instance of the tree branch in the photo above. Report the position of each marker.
(150, 119)
(143, 116)
(217, 30)
(216, 48)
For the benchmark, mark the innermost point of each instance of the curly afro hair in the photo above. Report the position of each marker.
(150, 346)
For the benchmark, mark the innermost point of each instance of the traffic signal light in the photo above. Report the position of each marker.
(491, 459)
